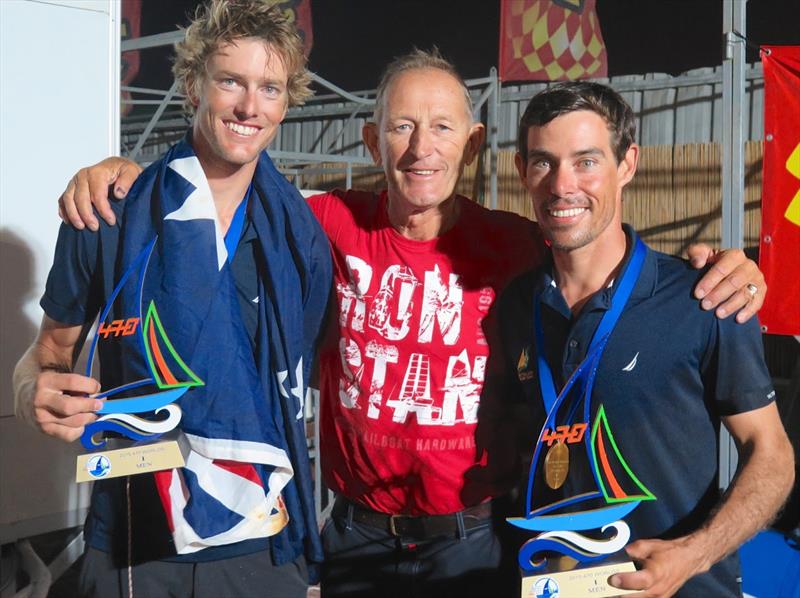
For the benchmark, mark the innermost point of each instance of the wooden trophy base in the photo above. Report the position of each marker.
(565, 578)
(131, 459)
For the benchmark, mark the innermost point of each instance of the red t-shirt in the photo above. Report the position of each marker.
(400, 384)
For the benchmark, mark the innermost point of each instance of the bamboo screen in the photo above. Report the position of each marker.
(674, 199)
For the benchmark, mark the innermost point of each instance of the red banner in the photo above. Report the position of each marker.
(780, 197)
(129, 62)
(550, 40)
(299, 12)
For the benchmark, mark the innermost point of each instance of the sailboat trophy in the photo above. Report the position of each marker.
(144, 421)
(579, 491)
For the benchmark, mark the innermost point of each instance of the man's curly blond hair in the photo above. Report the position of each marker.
(221, 22)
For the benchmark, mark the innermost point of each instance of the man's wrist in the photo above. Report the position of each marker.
(24, 384)
(703, 549)
(59, 368)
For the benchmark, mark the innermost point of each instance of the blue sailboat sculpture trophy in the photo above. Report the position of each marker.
(148, 410)
(580, 489)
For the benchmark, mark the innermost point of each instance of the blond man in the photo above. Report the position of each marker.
(227, 252)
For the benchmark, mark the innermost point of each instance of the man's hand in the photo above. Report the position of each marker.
(664, 566)
(764, 479)
(725, 286)
(61, 405)
(89, 188)
(46, 395)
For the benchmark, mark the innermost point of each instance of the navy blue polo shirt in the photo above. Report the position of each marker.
(669, 372)
(83, 276)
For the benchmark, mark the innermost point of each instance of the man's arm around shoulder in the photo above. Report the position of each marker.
(89, 188)
(46, 394)
(764, 479)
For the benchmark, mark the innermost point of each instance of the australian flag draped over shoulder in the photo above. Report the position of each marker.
(244, 424)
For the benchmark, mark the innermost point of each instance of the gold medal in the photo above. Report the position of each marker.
(556, 465)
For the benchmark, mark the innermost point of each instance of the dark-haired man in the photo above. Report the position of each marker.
(668, 373)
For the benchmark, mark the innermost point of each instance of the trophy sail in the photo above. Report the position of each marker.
(163, 362)
(147, 409)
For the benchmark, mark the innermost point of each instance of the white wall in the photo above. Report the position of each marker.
(59, 110)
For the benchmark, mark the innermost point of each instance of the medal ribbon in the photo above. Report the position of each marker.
(600, 337)
(234, 233)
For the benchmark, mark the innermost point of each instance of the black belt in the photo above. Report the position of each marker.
(424, 527)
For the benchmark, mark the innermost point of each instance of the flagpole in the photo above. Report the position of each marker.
(492, 117)
(734, 17)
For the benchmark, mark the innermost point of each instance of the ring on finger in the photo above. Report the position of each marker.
(752, 289)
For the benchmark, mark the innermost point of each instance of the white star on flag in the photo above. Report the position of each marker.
(297, 390)
(200, 203)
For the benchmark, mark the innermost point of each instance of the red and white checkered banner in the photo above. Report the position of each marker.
(779, 256)
(550, 40)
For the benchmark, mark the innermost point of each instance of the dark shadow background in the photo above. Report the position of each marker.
(354, 39)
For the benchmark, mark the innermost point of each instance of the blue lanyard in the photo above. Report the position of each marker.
(234, 233)
(604, 329)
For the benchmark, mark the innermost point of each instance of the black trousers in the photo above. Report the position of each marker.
(364, 561)
(237, 577)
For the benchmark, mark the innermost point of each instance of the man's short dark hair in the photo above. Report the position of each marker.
(572, 96)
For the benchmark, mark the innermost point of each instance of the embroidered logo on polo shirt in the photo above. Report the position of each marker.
(632, 364)
(523, 365)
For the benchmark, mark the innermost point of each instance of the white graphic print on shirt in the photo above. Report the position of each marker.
(384, 322)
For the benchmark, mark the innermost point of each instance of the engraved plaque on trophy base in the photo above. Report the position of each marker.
(131, 459)
(565, 578)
